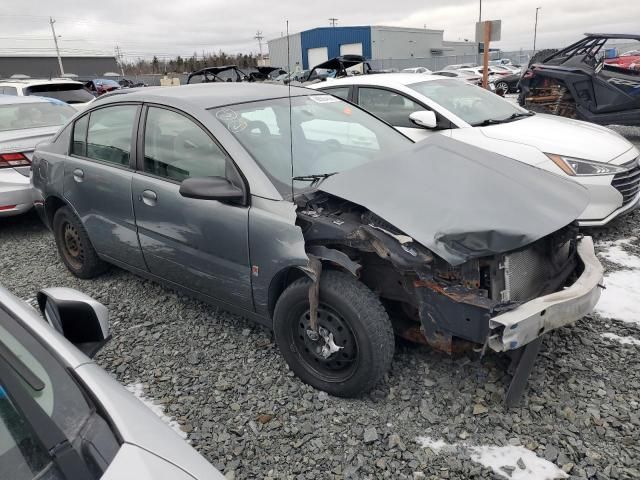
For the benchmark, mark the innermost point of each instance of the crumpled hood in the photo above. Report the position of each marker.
(25, 139)
(562, 136)
(460, 201)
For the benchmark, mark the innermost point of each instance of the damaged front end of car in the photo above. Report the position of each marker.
(445, 281)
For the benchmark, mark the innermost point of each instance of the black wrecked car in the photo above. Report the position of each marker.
(578, 82)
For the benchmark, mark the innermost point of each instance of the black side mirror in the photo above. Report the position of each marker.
(211, 188)
(81, 319)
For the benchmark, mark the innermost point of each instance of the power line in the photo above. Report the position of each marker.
(259, 37)
(333, 21)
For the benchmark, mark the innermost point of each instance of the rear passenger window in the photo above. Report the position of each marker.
(176, 148)
(110, 132)
(79, 146)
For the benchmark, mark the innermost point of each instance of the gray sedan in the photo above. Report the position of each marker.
(318, 220)
(64, 418)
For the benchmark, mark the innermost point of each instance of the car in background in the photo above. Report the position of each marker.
(24, 122)
(508, 83)
(416, 70)
(626, 60)
(460, 66)
(495, 72)
(468, 77)
(596, 157)
(98, 86)
(64, 418)
(69, 91)
(298, 210)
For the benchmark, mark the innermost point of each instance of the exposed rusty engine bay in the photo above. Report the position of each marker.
(429, 300)
(551, 97)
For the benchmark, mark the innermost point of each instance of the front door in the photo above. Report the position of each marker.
(198, 244)
(394, 108)
(97, 181)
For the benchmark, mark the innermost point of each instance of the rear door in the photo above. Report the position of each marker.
(97, 180)
(199, 244)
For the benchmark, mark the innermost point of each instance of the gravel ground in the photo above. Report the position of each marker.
(221, 378)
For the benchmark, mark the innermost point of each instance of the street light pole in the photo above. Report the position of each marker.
(535, 30)
(55, 40)
(480, 15)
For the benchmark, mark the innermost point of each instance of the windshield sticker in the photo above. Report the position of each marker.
(324, 98)
(234, 122)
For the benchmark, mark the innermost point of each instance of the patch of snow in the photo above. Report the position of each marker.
(138, 390)
(535, 467)
(513, 462)
(435, 445)
(620, 299)
(616, 254)
(622, 340)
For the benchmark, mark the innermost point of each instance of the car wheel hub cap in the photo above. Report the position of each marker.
(72, 241)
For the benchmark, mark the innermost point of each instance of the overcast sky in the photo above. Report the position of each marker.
(169, 27)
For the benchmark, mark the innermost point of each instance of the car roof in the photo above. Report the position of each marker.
(36, 81)
(13, 99)
(382, 79)
(208, 95)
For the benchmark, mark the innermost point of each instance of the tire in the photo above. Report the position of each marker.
(361, 325)
(74, 246)
(504, 86)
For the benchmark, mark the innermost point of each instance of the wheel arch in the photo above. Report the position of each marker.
(52, 204)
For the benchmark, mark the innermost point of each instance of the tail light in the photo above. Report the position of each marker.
(10, 160)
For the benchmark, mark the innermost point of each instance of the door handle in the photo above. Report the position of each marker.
(149, 197)
(78, 175)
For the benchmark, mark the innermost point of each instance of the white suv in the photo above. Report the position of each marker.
(69, 91)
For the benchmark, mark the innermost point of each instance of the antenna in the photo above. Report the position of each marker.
(259, 37)
(290, 109)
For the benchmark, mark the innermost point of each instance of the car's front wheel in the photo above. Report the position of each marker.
(354, 344)
(74, 246)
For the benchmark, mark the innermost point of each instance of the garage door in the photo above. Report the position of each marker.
(352, 49)
(317, 55)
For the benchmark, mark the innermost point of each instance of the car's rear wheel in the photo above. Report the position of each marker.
(354, 344)
(74, 246)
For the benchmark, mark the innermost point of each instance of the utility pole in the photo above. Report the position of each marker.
(535, 30)
(259, 37)
(119, 57)
(480, 15)
(333, 21)
(55, 40)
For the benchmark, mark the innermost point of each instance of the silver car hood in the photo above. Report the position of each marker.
(460, 201)
(25, 139)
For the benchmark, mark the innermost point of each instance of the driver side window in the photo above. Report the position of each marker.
(177, 148)
(392, 107)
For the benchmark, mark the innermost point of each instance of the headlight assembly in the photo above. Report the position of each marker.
(577, 167)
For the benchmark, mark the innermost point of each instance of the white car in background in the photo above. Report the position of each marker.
(416, 70)
(24, 122)
(62, 417)
(69, 91)
(594, 156)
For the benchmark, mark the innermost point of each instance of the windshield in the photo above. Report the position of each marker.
(472, 104)
(49, 384)
(329, 135)
(20, 116)
(67, 92)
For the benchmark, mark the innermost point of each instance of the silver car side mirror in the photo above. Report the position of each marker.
(81, 319)
(424, 118)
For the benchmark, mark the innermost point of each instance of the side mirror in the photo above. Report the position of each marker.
(211, 188)
(424, 118)
(81, 319)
